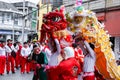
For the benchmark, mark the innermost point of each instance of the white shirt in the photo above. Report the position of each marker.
(25, 51)
(53, 61)
(48, 53)
(16, 47)
(31, 47)
(54, 57)
(9, 50)
(89, 59)
(42, 47)
(2, 51)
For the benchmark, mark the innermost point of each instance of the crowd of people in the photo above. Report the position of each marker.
(49, 61)
(13, 55)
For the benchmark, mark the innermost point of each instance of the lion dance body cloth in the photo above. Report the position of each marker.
(84, 22)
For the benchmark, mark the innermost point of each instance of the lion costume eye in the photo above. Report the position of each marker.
(56, 19)
(44, 20)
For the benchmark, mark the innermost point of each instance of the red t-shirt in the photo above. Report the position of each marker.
(66, 70)
(0, 44)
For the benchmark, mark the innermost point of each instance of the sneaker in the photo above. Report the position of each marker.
(28, 72)
(7, 72)
(22, 72)
(13, 72)
(1, 74)
(17, 68)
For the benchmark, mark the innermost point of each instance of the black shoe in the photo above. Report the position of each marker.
(7, 72)
(22, 72)
(13, 72)
(28, 72)
(2, 74)
(17, 68)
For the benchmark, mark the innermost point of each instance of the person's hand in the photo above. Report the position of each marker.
(38, 66)
(35, 62)
(46, 67)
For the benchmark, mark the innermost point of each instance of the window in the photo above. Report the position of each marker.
(3, 17)
(0, 17)
(8, 17)
(15, 19)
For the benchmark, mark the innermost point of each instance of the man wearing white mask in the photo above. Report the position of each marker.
(69, 68)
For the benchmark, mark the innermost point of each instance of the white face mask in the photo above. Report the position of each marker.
(69, 52)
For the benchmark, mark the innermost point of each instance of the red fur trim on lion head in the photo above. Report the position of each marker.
(54, 21)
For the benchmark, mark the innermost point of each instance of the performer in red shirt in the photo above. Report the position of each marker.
(25, 64)
(2, 57)
(10, 58)
(78, 53)
(69, 68)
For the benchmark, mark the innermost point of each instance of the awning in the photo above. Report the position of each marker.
(5, 32)
(10, 32)
(111, 21)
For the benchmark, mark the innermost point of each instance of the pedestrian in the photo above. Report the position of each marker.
(47, 51)
(11, 53)
(2, 57)
(30, 45)
(69, 68)
(55, 48)
(17, 55)
(79, 57)
(25, 64)
(78, 53)
(89, 62)
(41, 62)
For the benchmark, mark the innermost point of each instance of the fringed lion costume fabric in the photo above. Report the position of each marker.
(55, 23)
(85, 22)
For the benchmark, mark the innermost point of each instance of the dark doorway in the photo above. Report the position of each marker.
(112, 39)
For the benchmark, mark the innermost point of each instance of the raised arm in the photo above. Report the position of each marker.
(90, 50)
(57, 45)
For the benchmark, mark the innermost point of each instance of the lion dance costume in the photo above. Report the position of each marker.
(85, 22)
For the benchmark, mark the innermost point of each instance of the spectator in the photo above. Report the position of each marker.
(25, 51)
(10, 58)
(41, 61)
(2, 57)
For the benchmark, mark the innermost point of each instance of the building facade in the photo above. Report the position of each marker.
(10, 22)
(31, 10)
(69, 5)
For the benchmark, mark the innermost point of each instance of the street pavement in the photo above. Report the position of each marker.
(17, 76)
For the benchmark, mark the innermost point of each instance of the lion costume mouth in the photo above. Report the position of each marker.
(52, 22)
